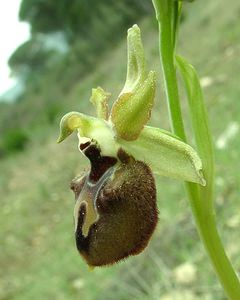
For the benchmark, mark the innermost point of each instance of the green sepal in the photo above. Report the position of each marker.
(166, 155)
(99, 99)
(136, 70)
(132, 110)
(133, 107)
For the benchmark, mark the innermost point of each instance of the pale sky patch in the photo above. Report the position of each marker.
(12, 34)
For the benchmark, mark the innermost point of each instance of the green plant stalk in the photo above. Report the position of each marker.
(167, 39)
(202, 209)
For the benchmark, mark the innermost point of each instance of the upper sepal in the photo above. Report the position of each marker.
(133, 107)
(132, 110)
(136, 69)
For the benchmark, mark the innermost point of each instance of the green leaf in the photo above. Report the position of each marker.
(99, 99)
(166, 155)
(199, 120)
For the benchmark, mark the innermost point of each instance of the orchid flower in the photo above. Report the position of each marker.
(123, 151)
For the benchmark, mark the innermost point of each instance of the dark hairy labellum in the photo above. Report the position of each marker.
(115, 211)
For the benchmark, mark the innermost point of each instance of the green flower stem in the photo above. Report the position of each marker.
(202, 209)
(205, 221)
(163, 10)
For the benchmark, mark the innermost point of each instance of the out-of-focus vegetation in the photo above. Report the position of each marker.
(68, 40)
(77, 45)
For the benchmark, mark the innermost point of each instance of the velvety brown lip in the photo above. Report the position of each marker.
(99, 164)
(84, 145)
(124, 196)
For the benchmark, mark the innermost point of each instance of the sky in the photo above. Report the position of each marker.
(12, 34)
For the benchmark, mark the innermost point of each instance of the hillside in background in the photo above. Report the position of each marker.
(38, 259)
(69, 39)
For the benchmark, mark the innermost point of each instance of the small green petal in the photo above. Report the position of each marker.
(166, 155)
(99, 99)
(132, 110)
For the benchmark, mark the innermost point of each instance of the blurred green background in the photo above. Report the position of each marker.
(76, 45)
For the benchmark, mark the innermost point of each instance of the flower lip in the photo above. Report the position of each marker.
(82, 242)
(116, 216)
(83, 146)
(99, 164)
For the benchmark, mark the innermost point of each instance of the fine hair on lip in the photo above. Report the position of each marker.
(123, 196)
